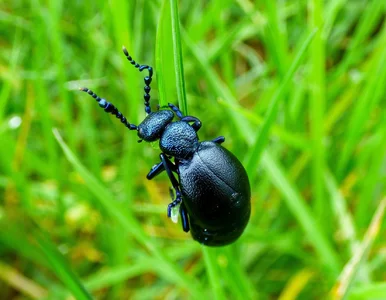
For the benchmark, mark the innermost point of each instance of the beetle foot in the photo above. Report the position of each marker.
(175, 202)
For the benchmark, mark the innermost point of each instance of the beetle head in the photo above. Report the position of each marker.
(154, 124)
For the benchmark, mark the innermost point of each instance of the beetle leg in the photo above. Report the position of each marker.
(168, 165)
(147, 79)
(155, 170)
(176, 110)
(159, 168)
(219, 140)
(196, 122)
(184, 218)
(174, 203)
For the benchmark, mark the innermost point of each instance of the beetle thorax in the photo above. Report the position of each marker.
(179, 139)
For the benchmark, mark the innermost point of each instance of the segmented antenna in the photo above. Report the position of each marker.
(147, 79)
(109, 108)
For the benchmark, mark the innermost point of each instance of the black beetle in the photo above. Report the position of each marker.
(212, 189)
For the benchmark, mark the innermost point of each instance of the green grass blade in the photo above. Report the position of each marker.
(60, 267)
(7, 84)
(373, 180)
(318, 179)
(177, 53)
(332, 10)
(163, 60)
(371, 94)
(275, 37)
(216, 84)
(109, 277)
(342, 214)
(128, 222)
(212, 270)
(55, 40)
(317, 81)
(237, 276)
(297, 205)
(292, 139)
(374, 290)
(367, 24)
(171, 84)
(262, 136)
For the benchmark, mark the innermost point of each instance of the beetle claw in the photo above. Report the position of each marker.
(173, 204)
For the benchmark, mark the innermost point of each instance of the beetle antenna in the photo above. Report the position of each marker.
(109, 108)
(147, 79)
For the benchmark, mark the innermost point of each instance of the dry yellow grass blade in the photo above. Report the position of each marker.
(296, 284)
(347, 276)
(21, 283)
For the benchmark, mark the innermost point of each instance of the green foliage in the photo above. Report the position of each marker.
(296, 87)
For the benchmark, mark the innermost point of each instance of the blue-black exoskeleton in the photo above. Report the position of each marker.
(210, 184)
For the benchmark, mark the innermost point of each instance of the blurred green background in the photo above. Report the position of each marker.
(297, 89)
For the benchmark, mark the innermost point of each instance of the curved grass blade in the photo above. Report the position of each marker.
(296, 204)
(263, 134)
(62, 269)
(125, 218)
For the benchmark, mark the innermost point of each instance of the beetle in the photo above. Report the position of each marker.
(212, 187)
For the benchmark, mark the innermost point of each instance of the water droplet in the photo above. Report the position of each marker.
(14, 122)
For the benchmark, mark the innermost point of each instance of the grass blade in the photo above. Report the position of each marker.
(164, 46)
(371, 94)
(317, 79)
(346, 278)
(177, 53)
(169, 41)
(339, 207)
(216, 84)
(21, 283)
(60, 266)
(297, 206)
(375, 290)
(261, 138)
(127, 221)
(213, 272)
